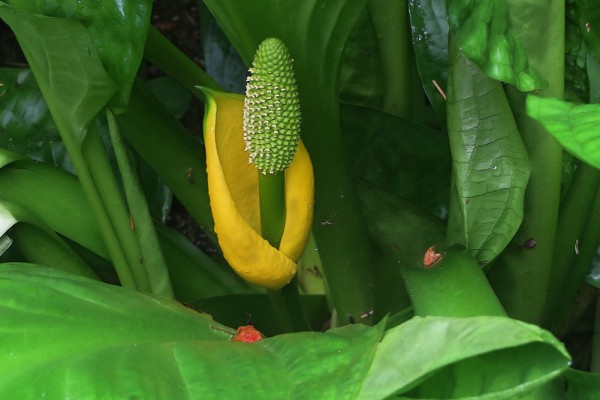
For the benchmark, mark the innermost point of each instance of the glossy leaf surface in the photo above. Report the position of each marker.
(66, 66)
(111, 329)
(117, 29)
(483, 33)
(503, 358)
(575, 126)
(98, 329)
(25, 124)
(491, 168)
(430, 42)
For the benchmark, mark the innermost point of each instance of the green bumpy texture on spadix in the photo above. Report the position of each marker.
(271, 109)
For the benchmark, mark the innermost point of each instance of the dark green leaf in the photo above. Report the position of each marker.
(589, 22)
(575, 126)
(66, 66)
(361, 79)
(491, 167)
(430, 42)
(480, 357)
(582, 385)
(576, 78)
(26, 126)
(256, 309)
(222, 61)
(404, 158)
(171, 94)
(482, 30)
(117, 29)
(402, 230)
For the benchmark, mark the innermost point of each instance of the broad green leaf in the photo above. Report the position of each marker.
(491, 168)
(66, 66)
(430, 42)
(582, 385)
(117, 29)
(25, 124)
(455, 358)
(36, 242)
(575, 126)
(404, 158)
(482, 31)
(490, 161)
(86, 331)
(28, 129)
(64, 209)
(314, 30)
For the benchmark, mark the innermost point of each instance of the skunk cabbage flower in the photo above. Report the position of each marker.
(233, 192)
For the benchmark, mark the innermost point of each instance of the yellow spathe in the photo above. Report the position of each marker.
(233, 192)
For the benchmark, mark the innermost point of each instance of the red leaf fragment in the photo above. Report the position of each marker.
(431, 257)
(247, 334)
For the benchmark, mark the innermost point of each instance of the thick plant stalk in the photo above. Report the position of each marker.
(578, 228)
(450, 284)
(521, 275)
(390, 20)
(162, 53)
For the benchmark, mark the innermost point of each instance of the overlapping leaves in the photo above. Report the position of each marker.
(85, 339)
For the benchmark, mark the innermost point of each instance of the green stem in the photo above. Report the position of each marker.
(285, 302)
(271, 189)
(520, 277)
(455, 286)
(390, 20)
(340, 231)
(102, 176)
(596, 340)
(574, 218)
(579, 267)
(92, 192)
(162, 53)
(168, 148)
(142, 225)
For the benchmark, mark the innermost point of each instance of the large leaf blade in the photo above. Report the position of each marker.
(116, 28)
(430, 42)
(483, 32)
(575, 126)
(105, 340)
(491, 168)
(503, 358)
